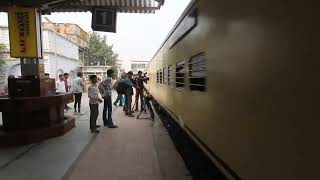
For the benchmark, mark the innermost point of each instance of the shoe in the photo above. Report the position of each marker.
(79, 113)
(95, 131)
(113, 126)
(120, 105)
(75, 113)
(115, 104)
(130, 115)
(97, 126)
(136, 110)
(132, 112)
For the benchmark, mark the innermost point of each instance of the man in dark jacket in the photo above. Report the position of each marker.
(139, 90)
(129, 92)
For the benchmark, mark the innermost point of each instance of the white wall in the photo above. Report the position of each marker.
(4, 36)
(56, 63)
(59, 54)
(63, 47)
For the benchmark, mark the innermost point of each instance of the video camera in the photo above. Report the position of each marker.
(145, 77)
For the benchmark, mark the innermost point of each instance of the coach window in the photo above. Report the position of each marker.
(160, 76)
(180, 74)
(170, 75)
(197, 72)
(165, 75)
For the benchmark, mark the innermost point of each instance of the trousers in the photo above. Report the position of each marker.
(127, 106)
(77, 101)
(107, 111)
(139, 93)
(94, 112)
(119, 99)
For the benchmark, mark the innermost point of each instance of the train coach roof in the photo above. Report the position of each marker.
(50, 6)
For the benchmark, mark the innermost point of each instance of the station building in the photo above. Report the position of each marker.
(64, 46)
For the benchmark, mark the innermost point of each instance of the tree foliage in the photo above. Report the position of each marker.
(100, 53)
(3, 48)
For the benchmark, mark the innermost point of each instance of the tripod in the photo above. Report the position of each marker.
(146, 104)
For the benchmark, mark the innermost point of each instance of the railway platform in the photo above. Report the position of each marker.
(140, 149)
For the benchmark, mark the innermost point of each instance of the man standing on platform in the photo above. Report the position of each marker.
(139, 90)
(129, 93)
(67, 85)
(105, 89)
(77, 86)
(94, 101)
(120, 89)
(60, 85)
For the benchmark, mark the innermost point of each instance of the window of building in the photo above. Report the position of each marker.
(170, 75)
(197, 72)
(165, 75)
(160, 76)
(180, 74)
(138, 66)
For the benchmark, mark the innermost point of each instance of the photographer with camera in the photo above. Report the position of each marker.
(139, 89)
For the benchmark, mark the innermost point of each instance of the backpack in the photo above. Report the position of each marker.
(121, 87)
(116, 84)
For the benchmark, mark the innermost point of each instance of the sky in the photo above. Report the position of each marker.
(138, 36)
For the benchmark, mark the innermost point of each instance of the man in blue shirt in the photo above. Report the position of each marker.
(105, 89)
(129, 92)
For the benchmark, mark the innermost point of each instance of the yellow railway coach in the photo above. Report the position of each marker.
(241, 77)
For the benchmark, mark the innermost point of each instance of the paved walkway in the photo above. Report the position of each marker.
(139, 149)
(50, 159)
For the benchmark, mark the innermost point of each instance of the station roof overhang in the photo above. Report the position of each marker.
(51, 6)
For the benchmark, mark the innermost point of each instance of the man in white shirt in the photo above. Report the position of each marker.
(77, 86)
(60, 85)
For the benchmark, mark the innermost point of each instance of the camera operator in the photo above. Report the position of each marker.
(139, 89)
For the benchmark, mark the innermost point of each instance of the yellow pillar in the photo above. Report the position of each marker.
(25, 39)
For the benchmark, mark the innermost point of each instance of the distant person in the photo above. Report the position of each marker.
(139, 90)
(118, 86)
(129, 93)
(77, 86)
(67, 82)
(94, 100)
(60, 85)
(67, 86)
(105, 89)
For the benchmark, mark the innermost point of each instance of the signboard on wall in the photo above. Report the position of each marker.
(24, 32)
(104, 20)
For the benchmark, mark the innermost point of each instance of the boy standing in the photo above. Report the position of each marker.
(94, 101)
